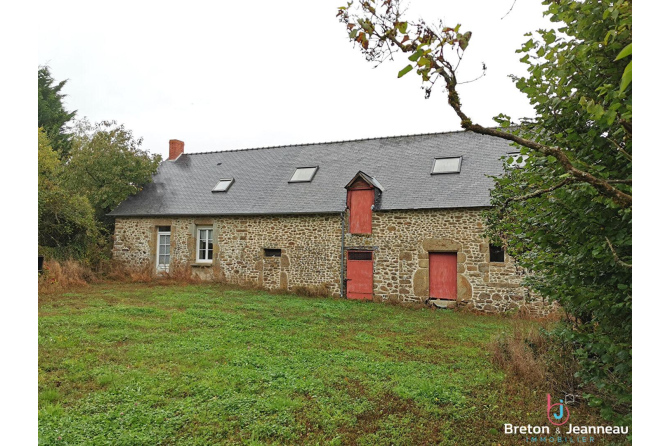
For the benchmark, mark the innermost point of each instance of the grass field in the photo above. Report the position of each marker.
(135, 364)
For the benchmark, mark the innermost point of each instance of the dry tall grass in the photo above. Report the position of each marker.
(64, 275)
(311, 290)
(531, 356)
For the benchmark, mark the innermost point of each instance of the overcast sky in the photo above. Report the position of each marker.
(227, 75)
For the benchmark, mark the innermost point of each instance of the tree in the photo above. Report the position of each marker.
(107, 165)
(66, 225)
(565, 215)
(51, 115)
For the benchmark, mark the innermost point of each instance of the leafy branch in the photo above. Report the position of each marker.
(616, 257)
(435, 52)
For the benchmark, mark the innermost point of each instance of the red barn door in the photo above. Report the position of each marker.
(442, 271)
(359, 275)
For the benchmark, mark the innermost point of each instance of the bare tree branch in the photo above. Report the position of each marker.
(538, 193)
(510, 10)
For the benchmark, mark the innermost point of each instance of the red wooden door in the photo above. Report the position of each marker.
(442, 271)
(359, 275)
(360, 210)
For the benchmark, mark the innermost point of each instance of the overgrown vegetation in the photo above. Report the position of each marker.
(534, 358)
(67, 228)
(576, 240)
(134, 364)
(566, 215)
(107, 165)
(85, 170)
(71, 275)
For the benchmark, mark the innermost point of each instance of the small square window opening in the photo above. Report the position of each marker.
(496, 253)
(272, 252)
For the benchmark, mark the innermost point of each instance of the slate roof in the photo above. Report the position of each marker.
(401, 164)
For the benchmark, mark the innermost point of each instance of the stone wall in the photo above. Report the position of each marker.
(402, 240)
(311, 253)
(310, 247)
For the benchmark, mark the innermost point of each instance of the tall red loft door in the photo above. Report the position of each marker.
(359, 275)
(360, 207)
(442, 271)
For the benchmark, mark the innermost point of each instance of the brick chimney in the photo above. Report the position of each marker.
(176, 149)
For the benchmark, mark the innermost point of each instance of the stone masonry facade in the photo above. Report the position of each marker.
(311, 247)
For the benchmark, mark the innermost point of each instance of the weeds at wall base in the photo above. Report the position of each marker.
(58, 276)
(531, 355)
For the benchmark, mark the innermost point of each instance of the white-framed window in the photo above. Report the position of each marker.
(163, 249)
(205, 247)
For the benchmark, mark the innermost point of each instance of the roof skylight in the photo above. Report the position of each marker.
(303, 174)
(223, 185)
(447, 165)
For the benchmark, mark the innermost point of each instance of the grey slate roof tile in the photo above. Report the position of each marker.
(401, 164)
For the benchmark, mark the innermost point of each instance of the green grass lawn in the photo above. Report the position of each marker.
(142, 364)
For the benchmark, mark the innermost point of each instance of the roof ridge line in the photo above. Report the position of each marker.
(325, 142)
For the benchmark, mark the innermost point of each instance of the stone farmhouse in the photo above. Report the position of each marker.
(386, 219)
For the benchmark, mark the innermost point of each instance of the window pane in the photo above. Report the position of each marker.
(447, 165)
(303, 174)
(210, 245)
(222, 186)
